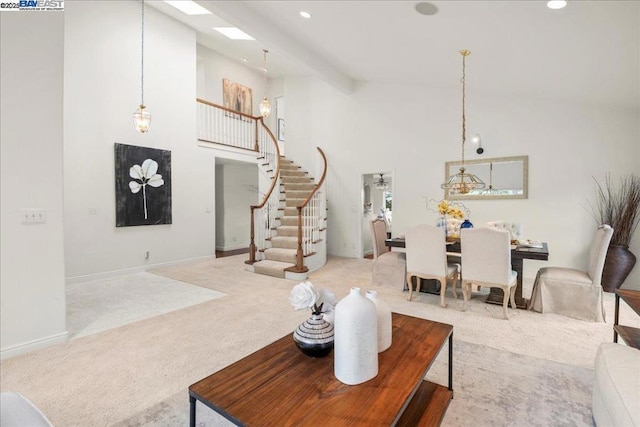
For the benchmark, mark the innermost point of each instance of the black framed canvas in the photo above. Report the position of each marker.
(143, 185)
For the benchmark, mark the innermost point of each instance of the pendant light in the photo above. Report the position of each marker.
(142, 118)
(265, 107)
(463, 182)
(381, 184)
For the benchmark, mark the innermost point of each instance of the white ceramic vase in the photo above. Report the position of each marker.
(384, 321)
(355, 339)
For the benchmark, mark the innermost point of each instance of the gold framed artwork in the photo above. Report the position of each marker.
(237, 97)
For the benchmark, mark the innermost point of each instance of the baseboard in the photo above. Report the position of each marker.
(232, 247)
(132, 270)
(23, 348)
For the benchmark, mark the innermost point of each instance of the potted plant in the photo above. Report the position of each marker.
(618, 206)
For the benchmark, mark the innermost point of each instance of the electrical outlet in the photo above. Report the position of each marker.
(93, 211)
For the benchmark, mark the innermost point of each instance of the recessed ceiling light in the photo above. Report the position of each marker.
(233, 33)
(556, 4)
(425, 8)
(245, 60)
(189, 7)
(304, 14)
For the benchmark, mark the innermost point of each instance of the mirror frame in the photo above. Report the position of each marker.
(525, 179)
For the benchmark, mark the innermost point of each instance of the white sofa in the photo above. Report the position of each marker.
(18, 411)
(616, 391)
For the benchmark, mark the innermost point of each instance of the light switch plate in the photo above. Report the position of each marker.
(33, 216)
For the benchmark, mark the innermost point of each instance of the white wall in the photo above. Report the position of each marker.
(101, 91)
(213, 67)
(236, 190)
(413, 131)
(32, 293)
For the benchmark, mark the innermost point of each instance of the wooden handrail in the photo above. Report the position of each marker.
(319, 184)
(231, 110)
(274, 181)
(277, 172)
(300, 253)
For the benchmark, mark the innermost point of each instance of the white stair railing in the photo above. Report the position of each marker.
(225, 126)
(310, 220)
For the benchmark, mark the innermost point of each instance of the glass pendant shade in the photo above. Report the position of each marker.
(265, 108)
(462, 183)
(142, 119)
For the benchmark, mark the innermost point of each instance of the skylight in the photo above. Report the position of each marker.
(233, 33)
(189, 7)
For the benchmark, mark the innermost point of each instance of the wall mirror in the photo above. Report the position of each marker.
(504, 178)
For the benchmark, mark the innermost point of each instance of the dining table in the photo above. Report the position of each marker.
(539, 251)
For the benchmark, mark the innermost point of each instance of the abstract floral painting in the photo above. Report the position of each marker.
(143, 185)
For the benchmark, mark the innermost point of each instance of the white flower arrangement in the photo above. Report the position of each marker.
(304, 295)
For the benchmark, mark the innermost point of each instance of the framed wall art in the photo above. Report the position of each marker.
(143, 185)
(280, 129)
(237, 97)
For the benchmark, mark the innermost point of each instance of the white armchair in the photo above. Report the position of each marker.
(427, 259)
(487, 262)
(570, 292)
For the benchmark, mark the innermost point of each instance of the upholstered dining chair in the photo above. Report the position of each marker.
(486, 253)
(426, 248)
(388, 267)
(570, 292)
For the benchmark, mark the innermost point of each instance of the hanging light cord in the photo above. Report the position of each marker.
(464, 55)
(142, 58)
(265, 72)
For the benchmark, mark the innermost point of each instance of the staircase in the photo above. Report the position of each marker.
(288, 226)
(295, 186)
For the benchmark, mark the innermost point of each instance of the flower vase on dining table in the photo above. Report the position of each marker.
(466, 224)
(442, 223)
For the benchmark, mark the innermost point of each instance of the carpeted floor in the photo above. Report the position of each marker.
(98, 305)
(532, 369)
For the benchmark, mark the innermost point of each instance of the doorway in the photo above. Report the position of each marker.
(377, 202)
(236, 188)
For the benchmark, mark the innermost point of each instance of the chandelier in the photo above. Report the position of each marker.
(142, 118)
(381, 184)
(463, 182)
(265, 107)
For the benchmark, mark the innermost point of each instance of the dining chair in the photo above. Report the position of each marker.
(426, 248)
(571, 292)
(388, 267)
(486, 253)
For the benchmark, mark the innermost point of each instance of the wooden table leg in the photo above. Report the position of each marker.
(496, 294)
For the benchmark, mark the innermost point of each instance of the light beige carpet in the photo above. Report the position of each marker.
(112, 376)
(98, 305)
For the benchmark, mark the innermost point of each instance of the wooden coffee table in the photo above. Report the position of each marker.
(629, 334)
(278, 385)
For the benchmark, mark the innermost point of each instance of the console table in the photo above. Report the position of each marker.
(629, 334)
(278, 385)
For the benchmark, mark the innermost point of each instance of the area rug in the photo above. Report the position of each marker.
(491, 388)
(98, 305)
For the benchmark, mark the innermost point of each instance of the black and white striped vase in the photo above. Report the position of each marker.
(314, 336)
